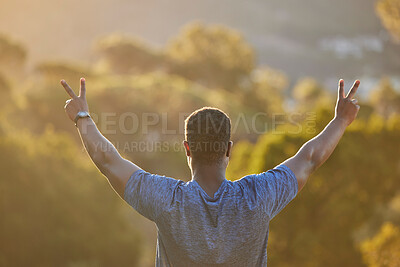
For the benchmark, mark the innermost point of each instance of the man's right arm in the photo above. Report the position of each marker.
(102, 152)
(105, 156)
(316, 151)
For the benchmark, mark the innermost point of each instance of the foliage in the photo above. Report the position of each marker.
(4, 84)
(59, 211)
(389, 13)
(12, 53)
(213, 55)
(267, 89)
(123, 54)
(385, 98)
(53, 70)
(384, 249)
(309, 94)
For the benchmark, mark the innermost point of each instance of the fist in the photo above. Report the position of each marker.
(346, 106)
(76, 103)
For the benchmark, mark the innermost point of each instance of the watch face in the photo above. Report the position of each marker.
(81, 114)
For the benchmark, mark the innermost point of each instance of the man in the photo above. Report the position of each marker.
(210, 221)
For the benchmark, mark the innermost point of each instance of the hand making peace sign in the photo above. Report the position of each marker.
(347, 107)
(76, 103)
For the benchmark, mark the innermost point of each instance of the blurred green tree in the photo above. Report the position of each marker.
(123, 54)
(389, 13)
(385, 99)
(58, 210)
(309, 94)
(54, 71)
(383, 250)
(215, 56)
(12, 57)
(4, 84)
(267, 91)
(379, 237)
(5, 93)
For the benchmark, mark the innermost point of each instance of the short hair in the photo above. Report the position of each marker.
(208, 132)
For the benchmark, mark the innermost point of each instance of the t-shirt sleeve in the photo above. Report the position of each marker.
(149, 194)
(276, 188)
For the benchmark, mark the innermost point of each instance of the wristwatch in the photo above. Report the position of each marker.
(79, 115)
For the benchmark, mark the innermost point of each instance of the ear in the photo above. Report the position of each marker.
(186, 146)
(229, 150)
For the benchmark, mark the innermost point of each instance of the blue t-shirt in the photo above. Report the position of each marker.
(229, 229)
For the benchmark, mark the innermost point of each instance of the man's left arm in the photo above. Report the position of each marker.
(316, 151)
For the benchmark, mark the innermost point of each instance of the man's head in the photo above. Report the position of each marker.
(207, 136)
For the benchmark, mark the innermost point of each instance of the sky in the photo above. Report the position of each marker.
(318, 38)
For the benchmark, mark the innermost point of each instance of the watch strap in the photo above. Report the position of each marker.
(79, 115)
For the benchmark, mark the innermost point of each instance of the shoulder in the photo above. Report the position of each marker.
(143, 180)
(270, 179)
(150, 194)
(280, 172)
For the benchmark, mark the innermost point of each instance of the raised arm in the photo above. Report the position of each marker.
(102, 152)
(316, 151)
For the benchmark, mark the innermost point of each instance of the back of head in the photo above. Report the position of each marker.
(208, 132)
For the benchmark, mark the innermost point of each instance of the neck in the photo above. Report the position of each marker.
(209, 177)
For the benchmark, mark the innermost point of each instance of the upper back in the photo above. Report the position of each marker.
(200, 228)
(195, 229)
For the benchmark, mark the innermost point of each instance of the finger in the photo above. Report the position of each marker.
(82, 89)
(68, 89)
(66, 103)
(354, 101)
(353, 90)
(341, 89)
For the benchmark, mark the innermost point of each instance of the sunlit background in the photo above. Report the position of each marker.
(273, 66)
